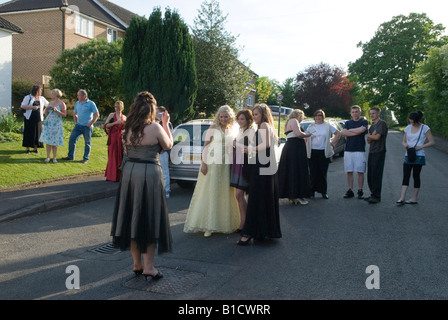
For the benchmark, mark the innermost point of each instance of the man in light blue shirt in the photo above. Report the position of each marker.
(85, 115)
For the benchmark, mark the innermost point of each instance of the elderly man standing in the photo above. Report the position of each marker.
(85, 115)
(376, 137)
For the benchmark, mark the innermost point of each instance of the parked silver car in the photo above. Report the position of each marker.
(339, 148)
(186, 154)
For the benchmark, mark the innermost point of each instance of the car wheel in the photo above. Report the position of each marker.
(186, 184)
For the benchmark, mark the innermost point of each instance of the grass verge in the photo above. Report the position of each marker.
(19, 168)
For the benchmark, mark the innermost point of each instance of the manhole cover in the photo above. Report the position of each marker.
(108, 249)
(174, 281)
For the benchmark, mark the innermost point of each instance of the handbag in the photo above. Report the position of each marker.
(412, 152)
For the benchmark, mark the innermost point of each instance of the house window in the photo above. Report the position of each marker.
(84, 27)
(112, 35)
(250, 101)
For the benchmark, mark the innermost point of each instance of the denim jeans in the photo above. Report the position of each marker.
(79, 130)
(164, 162)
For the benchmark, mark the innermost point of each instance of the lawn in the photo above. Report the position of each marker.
(19, 168)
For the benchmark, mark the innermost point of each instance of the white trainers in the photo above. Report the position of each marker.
(55, 161)
(47, 160)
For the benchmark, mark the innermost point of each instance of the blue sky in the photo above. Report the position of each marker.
(283, 37)
(280, 38)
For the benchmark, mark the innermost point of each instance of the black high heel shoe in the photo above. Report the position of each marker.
(138, 272)
(155, 277)
(244, 243)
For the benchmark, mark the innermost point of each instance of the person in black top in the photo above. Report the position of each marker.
(354, 155)
(376, 137)
(33, 105)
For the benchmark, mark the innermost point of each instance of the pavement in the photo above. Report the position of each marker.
(317, 260)
(26, 200)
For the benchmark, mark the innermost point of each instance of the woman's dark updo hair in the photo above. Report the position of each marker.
(416, 116)
(34, 90)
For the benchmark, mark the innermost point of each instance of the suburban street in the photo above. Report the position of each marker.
(325, 253)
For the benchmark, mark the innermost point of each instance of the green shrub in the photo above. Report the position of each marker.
(9, 123)
(20, 88)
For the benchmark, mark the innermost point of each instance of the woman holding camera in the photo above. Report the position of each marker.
(53, 132)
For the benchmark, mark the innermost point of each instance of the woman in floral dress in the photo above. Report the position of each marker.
(53, 132)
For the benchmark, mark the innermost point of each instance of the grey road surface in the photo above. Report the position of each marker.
(336, 249)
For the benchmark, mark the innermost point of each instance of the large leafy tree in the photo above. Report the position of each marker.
(431, 78)
(324, 87)
(289, 93)
(178, 69)
(83, 68)
(265, 88)
(390, 58)
(132, 55)
(158, 56)
(222, 78)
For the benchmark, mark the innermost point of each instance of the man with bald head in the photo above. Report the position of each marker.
(85, 115)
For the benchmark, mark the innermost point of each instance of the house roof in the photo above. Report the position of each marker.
(122, 13)
(102, 10)
(5, 24)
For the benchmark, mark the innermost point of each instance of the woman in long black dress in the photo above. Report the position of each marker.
(239, 177)
(262, 216)
(140, 221)
(33, 105)
(293, 173)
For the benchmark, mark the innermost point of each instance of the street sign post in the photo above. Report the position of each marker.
(279, 99)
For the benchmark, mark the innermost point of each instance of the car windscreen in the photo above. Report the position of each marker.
(193, 133)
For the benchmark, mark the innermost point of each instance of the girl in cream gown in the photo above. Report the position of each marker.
(213, 207)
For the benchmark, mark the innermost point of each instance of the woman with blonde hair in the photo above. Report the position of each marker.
(140, 220)
(293, 174)
(213, 207)
(262, 215)
(53, 131)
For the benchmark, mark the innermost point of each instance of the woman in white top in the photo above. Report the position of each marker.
(416, 135)
(33, 104)
(320, 150)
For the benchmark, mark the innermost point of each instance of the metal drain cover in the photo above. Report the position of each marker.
(107, 248)
(174, 281)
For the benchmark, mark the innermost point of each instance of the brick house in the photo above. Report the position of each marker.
(51, 26)
(250, 99)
